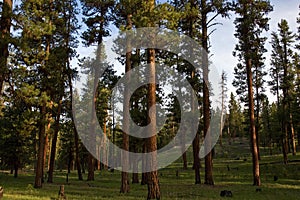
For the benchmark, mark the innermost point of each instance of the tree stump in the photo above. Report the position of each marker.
(61, 193)
(1, 192)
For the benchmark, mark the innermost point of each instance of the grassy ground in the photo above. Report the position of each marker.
(238, 180)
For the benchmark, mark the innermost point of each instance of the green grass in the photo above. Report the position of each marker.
(107, 184)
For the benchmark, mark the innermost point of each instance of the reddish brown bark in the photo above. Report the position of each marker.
(54, 142)
(151, 143)
(254, 146)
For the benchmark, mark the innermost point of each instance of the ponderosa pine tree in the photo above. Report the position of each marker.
(215, 8)
(282, 70)
(97, 20)
(258, 81)
(124, 11)
(251, 21)
(63, 50)
(223, 94)
(235, 118)
(266, 124)
(151, 142)
(35, 21)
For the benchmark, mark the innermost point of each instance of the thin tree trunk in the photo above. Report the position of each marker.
(70, 158)
(221, 122)
(135, 176)
(285, 106)
(206, 104)
(285, 138)
(126, 110)
(144, 174)
(91, 159)
(16, 167)
(294, 150)
(54, 142)
(103, 145)
(184, 159)
(257, 112)
(5, 24)
(76, 139)
(46, 146)
(196, 164)
(196, 145)
(196, 141)
(69, 71)
(40, 157)
(183, 151)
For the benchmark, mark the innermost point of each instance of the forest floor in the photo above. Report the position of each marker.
(238, 180)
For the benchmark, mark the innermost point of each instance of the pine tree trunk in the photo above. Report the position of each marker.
(16, 167)
(221, 121)
(76, 139)
(69, 71)
(257, 115)
(54, 142)
(91, 168)
(46, 146)
(144, 162)
(104, 145)
(285, 142)
(151, 142)
(92, 136)
(135, 176)
(294, 150)
(126, 109)
(254, 147)
(183, 140)
(5, 24)
(70, 158)
(184, 159)
(40, 157)
(206, 104)
(196, 164)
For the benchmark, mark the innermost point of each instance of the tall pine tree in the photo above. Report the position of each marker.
(251, 21)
